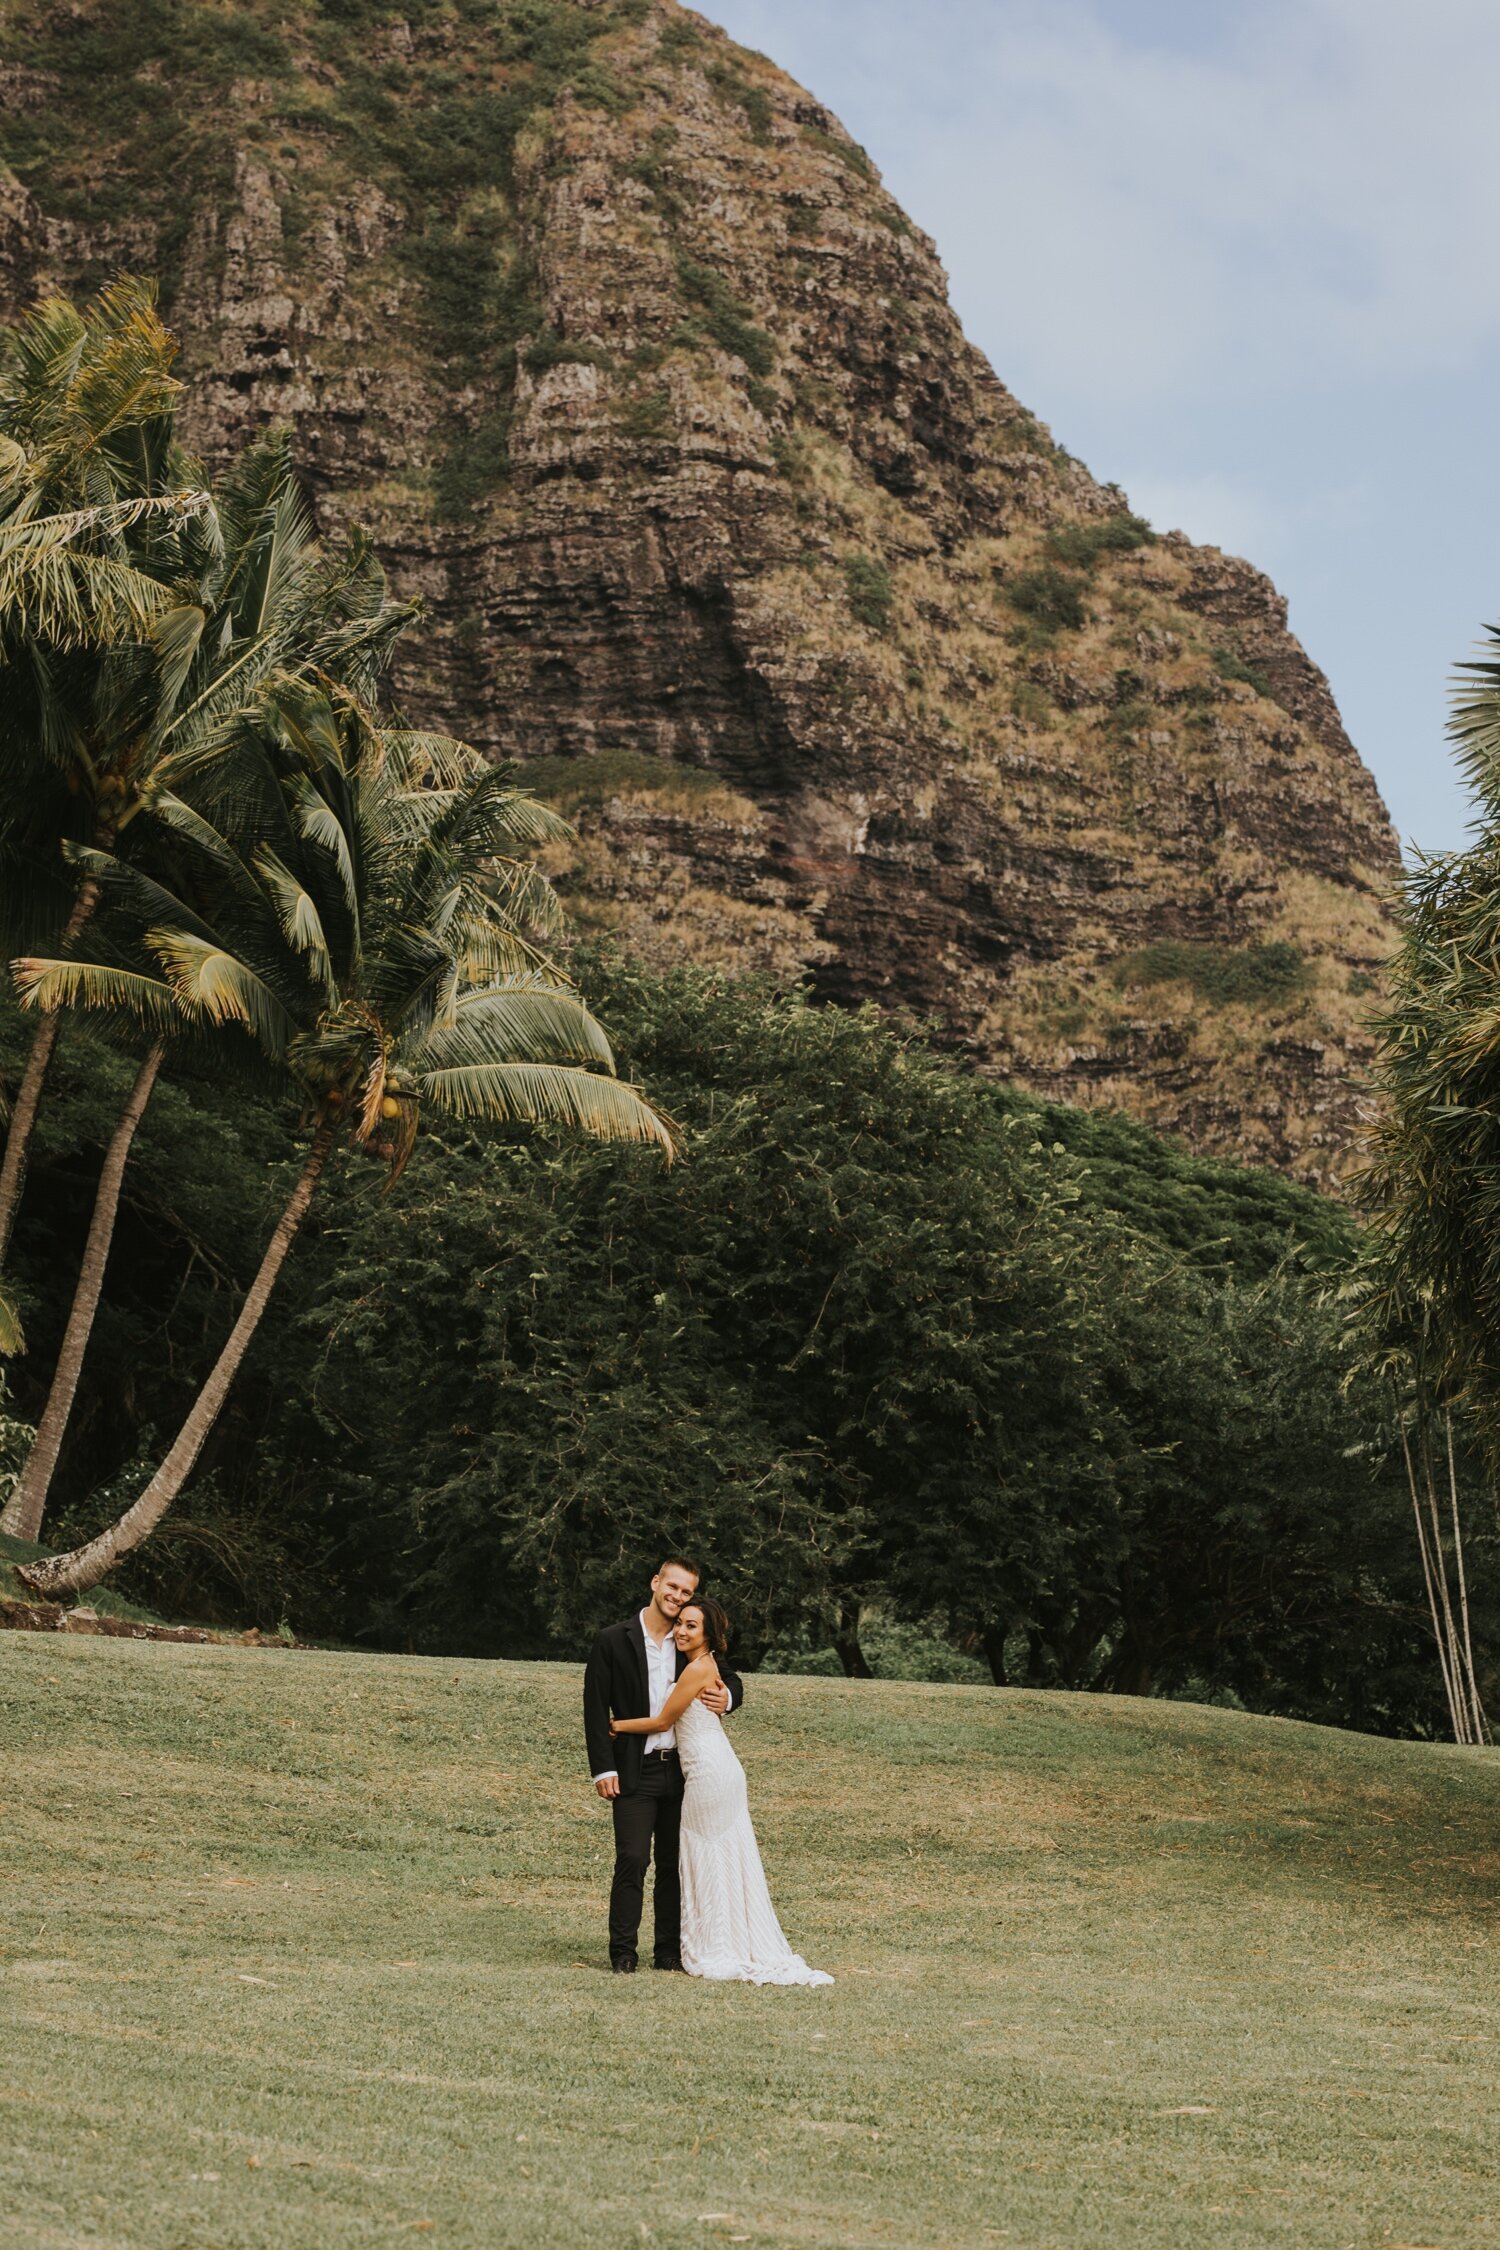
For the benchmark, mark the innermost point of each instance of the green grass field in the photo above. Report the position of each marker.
(306, 1950)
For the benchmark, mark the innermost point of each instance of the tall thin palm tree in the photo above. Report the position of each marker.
(258, 608)
(89, 484)
(1426, 1295)
(379, 946)
(213, 595)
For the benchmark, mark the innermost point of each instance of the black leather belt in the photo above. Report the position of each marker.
(664, 1755)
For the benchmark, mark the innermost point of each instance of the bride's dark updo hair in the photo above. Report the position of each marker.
(715, 1622)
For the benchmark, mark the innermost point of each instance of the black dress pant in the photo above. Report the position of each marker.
(651, 1813)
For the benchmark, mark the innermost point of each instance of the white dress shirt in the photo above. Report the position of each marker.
(661, 1678)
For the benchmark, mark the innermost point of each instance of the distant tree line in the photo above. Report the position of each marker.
(1077, 1402)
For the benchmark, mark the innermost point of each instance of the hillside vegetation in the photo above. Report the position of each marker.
(1035, 1378)
(307, 1949)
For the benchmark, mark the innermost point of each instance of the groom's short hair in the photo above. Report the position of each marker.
(680, 1562)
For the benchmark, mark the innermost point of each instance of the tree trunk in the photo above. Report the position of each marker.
(846, 1642)
(28, 1502)
(75, 1573)
(993, 1640)
(29, 1093)
(22, 1118)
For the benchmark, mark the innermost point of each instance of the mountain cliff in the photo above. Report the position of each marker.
(612, 336)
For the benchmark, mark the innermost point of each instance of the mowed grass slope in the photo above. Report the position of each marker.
(306, 1950)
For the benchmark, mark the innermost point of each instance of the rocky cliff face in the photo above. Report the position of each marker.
(614, 339)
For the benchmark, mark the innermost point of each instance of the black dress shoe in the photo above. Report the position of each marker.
(624, 1965)
(674, 1962)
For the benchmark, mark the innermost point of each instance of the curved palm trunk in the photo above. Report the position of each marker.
(28, 1502)
(29, 1093)
(75, 1573)
(22, 1118)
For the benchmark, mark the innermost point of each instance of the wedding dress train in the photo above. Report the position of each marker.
(729, 1926)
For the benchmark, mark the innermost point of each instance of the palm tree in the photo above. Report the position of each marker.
(1427, 1294)
(380, 947)
(89, 483)
(258, 607)
(23, 1512)
(1432, 1179)
(232, 591)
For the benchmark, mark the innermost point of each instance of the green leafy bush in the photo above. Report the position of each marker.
(570, 783)
(1049, 598)
(551, 350)
(725, 317)
(1222, 973)
(847, 152)
(1230, 666)
(871, 591)
(647, 415)
(474, 463)
(733, 86)
(1083, 543)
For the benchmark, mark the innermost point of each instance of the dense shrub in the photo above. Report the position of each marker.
(1049, 598)
(724, 317)
(886, 1335)
(1082, 544)
(1221, 973)
(871, 591)
(1231, 666)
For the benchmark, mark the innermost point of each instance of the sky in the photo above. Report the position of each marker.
(1240, 256)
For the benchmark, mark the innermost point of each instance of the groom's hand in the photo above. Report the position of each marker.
(716, 1697)
(608, 1785)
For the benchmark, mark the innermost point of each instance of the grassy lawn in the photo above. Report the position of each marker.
(304, 1950)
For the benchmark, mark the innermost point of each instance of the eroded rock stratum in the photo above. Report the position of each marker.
(614, 339)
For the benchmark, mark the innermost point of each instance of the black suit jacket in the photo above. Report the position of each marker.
(616, 1685)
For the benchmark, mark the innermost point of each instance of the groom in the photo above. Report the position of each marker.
(630, 1673)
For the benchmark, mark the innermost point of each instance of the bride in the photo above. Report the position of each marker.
(729, 1926)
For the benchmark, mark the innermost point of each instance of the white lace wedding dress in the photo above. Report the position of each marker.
(729, 1926)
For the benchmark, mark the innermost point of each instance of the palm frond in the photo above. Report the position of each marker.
(300, 919)
(131, 888)
(60, 595)
(211, 983)
(240, 896)
(318, 822)
(176, 636)
(372, 1093)
(97, 985)
(491, 951)
(124, 370)
(502, 821)
(519, 892)
(524, 1020)
(431, 761)
(106, 520)
(550, 1094)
